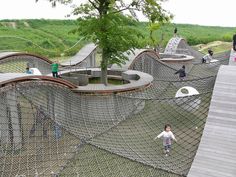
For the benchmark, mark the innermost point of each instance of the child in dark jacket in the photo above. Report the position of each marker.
(182, 73)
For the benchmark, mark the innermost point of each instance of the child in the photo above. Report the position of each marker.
(55, 66)
(208, 57)
(167, 136)
(182, 73)
(28, 71)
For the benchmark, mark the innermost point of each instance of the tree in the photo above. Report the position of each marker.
(109, 24)
(156, 42)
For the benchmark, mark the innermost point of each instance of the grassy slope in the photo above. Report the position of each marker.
(54, 36)
(216, 46)
(194, 34)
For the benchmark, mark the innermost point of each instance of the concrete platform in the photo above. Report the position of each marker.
(136, 79)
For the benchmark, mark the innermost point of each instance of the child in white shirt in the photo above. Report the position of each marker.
(208, 57)
(167, 137)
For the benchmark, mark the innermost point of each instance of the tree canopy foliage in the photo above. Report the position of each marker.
(109, 24)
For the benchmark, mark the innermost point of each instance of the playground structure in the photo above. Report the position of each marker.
(84, 58)
(16, 62)
(220, 125)
(49, 127)
(178, 45)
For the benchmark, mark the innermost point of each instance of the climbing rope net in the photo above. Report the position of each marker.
(48, 130)
(11, 62)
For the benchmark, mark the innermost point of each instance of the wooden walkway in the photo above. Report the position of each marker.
(131, 57)
(82, 55)
(216, 155)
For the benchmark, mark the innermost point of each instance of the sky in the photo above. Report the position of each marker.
(202, 12)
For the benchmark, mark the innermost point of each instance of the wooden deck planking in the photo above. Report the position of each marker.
(216, 155)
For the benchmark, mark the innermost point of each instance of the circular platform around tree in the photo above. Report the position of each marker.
(132, 80)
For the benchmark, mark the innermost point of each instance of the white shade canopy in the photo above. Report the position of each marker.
(186, 91)
(192, 103)
(35, 71)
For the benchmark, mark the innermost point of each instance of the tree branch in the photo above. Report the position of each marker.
(93, 4)
(126, 8)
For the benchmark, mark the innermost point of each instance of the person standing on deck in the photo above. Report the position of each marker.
(55, 67)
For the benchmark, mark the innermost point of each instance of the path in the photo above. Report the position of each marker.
(216, 156)
(82, 55)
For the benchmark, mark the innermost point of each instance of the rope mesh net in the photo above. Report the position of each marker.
(18, 64)
(48, 130)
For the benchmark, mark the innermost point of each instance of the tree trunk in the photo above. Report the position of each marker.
(104, 76)
(104, 69)
(152, 39)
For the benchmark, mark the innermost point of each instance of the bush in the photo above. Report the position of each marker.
(227, 37)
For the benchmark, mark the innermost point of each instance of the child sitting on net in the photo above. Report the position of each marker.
(167, 137)
(208, 57)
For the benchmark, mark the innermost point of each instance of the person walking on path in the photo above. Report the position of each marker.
(182, 73)
(55, 67)
(167, 137)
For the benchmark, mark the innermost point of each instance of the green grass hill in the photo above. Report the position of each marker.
(53, 38)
